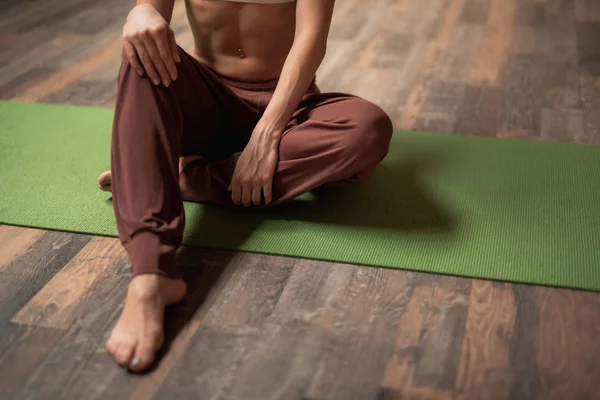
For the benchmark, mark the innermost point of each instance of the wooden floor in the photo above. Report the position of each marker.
(265, 327)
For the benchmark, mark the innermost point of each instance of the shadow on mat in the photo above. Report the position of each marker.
(394, 198)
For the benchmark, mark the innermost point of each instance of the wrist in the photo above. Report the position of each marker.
(270, 129)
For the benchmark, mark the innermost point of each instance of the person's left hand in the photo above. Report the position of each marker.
(253, 175)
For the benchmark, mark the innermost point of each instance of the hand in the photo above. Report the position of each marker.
(148, 39)
(253, 175)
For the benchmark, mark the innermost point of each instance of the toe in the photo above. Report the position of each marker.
(145, 351)
(104, 179)
(143, 359)
(122, 352)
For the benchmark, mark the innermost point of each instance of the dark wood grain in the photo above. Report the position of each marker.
(569, 325)
(523, 344)
(361, 318)
(442, 340)
(587, 47)
(15, 241)
(23, 350)
(27, 274)
(484, 371)
(480, 112)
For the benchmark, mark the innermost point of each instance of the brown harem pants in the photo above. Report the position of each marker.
(332, 138)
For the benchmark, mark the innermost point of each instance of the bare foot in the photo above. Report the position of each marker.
(104, 181)
(138, 334)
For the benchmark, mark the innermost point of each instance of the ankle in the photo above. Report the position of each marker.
(157, 288)
(145, 287)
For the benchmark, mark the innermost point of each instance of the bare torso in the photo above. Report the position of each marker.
(244, 41)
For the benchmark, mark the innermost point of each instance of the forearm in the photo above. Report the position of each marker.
(299, 69)
(164, 7)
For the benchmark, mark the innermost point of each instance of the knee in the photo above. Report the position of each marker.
(370, 132)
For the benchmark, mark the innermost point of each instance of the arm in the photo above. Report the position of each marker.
(164, 7)
(255, 168)
(149, 43)
(313, 19)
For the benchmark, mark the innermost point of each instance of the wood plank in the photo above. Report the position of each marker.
(84, 92)
(441, 342)
(78, 366)
(493, 52)
(440, 110)
(523, 343)
(454, 66)
(15, 241)
(587, 10)
(568, 355)
(251, 287)
(362, 33)
(563, 126)
(60, 80)
(57, 304)
(290, 352)
(587, 47)
(27, 274)
(562, 71)
(359, 320)
(435, 50)
(26, 349)
(522, 102)
(433, 310)
(402, 84)
(210, 364)
(480, 112)
(400, 368)
(590, 94)
(476, 12)
(484, 371)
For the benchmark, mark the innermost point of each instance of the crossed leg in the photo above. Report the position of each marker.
(333, 138)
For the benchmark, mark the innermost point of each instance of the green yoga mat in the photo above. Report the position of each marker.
(487, 208)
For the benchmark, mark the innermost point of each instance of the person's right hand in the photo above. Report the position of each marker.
(150, 46)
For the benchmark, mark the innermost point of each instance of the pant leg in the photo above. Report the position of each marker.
(332, 139)
(153, 126)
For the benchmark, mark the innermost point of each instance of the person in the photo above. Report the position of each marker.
(239, 122)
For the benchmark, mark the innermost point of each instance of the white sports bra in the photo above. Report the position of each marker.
(262, 1)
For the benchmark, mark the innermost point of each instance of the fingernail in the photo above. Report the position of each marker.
(167, 83)
(156, 82)
(136, 362)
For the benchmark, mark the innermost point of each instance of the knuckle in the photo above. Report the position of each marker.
(155, 30)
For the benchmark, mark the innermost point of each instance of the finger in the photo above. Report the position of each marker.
(256, 195)
(133, 58)
(164, 50)
(146, 62)
(157, 61)
(246, 195)
(268, 191)
(174, 47)
(236, 194)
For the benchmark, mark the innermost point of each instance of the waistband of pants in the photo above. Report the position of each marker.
(255, 86)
